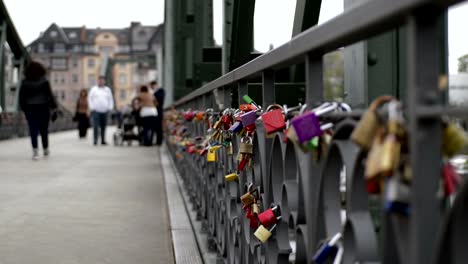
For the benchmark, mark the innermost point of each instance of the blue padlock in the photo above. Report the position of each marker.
(236, 127)
(328, 250)
(397, 196)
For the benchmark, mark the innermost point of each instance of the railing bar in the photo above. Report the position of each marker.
(425, 140)
(364, 21)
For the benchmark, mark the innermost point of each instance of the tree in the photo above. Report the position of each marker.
(463, 63)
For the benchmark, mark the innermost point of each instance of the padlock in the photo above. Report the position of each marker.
(249, 118)
(199, 116)
(451, 179)
(273, 121)
(255, 208)
(230, 150)
(247, 108)
(247, 199)
(270, 216)
(191, 149)
(227, 121)
(263, 234)
(189, 115)
(391, 148)
(244, 162)
(454, 139)
(246, 146)
(211, 157)
(231, 177)
(307, 126)
(365, 131)
(397, 196)
(328, 250)
(215, 148)
(373, 161)
(236, 127)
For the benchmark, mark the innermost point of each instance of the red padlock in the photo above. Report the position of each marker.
(373, 186)
(254, 221)
(227, 121)
(247, 107)
(273, 121)
(191, 149)
(451, 179)
(268, 217)
(242, 165)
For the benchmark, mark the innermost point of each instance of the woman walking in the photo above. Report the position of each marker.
(82, 114)
(37, 101)
(148, 114)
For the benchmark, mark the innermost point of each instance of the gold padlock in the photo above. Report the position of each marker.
(230, 150)
(391, 149)
(256, 208)
(365, 130)
(231, 177)
(373, 161)
(454, 139)
(263, 234)
(246, 148)
(247, 199)
(211, 156)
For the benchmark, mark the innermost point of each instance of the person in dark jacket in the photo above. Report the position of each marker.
(36, 100)
(82, 114)
(159, 93)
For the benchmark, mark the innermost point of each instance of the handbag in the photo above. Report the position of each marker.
(53, 115)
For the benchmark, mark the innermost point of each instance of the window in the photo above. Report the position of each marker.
(76, 48)
(55, 76)
(62, 95)
(41, 48)
(75, 78)
(142, 33)
(123, 94)
(59, 63)
(91, 79)
(53, 33)
(91, 63)
(59, 48)
(63, 79)
(72, 35)
(75, 63)
(122, 79)
(76, 94)
(122, 65)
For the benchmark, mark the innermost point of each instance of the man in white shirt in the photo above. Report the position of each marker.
(100, 101)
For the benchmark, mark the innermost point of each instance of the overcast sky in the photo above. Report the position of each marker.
(32, 17)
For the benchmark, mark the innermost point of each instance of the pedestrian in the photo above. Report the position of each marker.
(159, 94)
(148, 114)
(101, 102)
(37, 101)
(82, 114)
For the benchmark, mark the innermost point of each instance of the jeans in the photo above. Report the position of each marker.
(99, 123)
(159, 128)
(149, 125)
(38, 122)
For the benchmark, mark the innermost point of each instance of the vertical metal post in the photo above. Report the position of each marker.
(268, 88)
(314, 80)
(20, 79)
(425, 133)
(227, 100)
(243, 89)
(2, 65)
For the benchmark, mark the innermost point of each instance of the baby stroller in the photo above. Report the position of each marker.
(127, 129)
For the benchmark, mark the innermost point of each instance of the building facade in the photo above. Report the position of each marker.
(76, 57)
